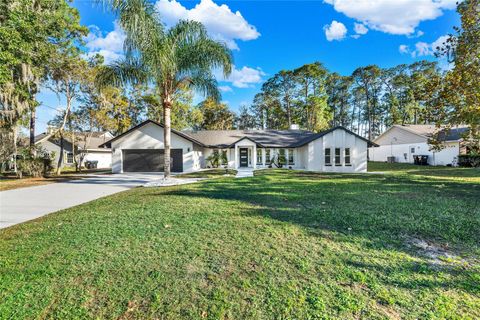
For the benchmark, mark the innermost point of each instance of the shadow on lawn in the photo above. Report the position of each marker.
(383, 210)
(338, 201)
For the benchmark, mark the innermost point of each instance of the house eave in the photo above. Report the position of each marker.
(108, 143)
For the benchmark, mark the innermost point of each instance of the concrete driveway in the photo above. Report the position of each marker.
(20, 205)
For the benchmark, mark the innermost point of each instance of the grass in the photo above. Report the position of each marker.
(427, 171)
(210, 173)
(10, 182)
(281, 245)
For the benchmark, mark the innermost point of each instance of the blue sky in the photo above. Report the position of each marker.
(268, 36)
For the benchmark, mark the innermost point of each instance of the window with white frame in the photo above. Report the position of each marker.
(282, 157)
(338, 160)
(69, 158)
(224, 157)
(328, 156)
(259, 156)
(267, 156)
(346, 157)
(291, 157)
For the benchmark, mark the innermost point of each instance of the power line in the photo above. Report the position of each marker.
(44, 105)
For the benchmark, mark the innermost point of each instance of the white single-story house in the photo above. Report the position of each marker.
(141, 149)
(403, 142)
(87, 143)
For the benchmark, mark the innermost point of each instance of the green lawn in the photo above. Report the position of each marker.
(281, 245)
(209, 173)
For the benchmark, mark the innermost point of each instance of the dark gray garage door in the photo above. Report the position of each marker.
(151, 160)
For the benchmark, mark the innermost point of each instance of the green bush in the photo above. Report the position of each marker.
(218, 158)
(30, 167)
(34, 162)
(469, 160)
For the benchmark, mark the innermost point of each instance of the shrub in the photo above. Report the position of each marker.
(469, 160)
(34, 162)
(218, 158)
(30, 167)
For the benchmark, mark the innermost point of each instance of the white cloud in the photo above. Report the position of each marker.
(418, 34)
(335, 31)
(245, 77)
(439, 42)
(423, 49)
(220, 21)
(360, 28)
(403, 49)
(225, 88)
(392, 16)
(109, 46)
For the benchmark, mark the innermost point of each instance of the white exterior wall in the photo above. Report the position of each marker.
(150, 136)
(337, 139)
(301, 160)
(104, 158)
(441, 158)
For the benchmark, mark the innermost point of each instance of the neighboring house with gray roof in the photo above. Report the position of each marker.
(141, 149)
(403, 142)
(86, 143)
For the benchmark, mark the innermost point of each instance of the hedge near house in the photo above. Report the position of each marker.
(469, 160)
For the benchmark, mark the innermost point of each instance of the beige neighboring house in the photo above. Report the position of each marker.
(87, 143)
(404, 142)
(141, 149)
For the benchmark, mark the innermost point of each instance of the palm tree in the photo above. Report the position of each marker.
(183, 57)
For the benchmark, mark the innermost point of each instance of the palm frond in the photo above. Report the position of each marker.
(203, 82)
(141, 23)
(120, 73)
(206, 54)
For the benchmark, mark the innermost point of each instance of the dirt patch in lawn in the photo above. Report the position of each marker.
(437, 254)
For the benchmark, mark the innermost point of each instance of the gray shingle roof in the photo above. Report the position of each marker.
(266, 138)
(41, 136)
(427, 130)
(95, 141)
(453, 134)
(226, 138)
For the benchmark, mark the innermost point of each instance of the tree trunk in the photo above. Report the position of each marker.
(353, 116)
(289, 115)
(166, 134)
(15, 150)
(60, 156)
(32, 127)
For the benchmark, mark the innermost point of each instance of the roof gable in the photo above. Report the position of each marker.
(403, 134)
(109, 142)
(399, 135)
(246, 138)
(323, 133)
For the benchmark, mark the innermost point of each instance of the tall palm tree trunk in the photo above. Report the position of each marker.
(167, 136)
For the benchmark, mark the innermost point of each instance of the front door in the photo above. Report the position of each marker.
(243, 157)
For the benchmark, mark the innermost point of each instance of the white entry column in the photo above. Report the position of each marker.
(236, 157)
